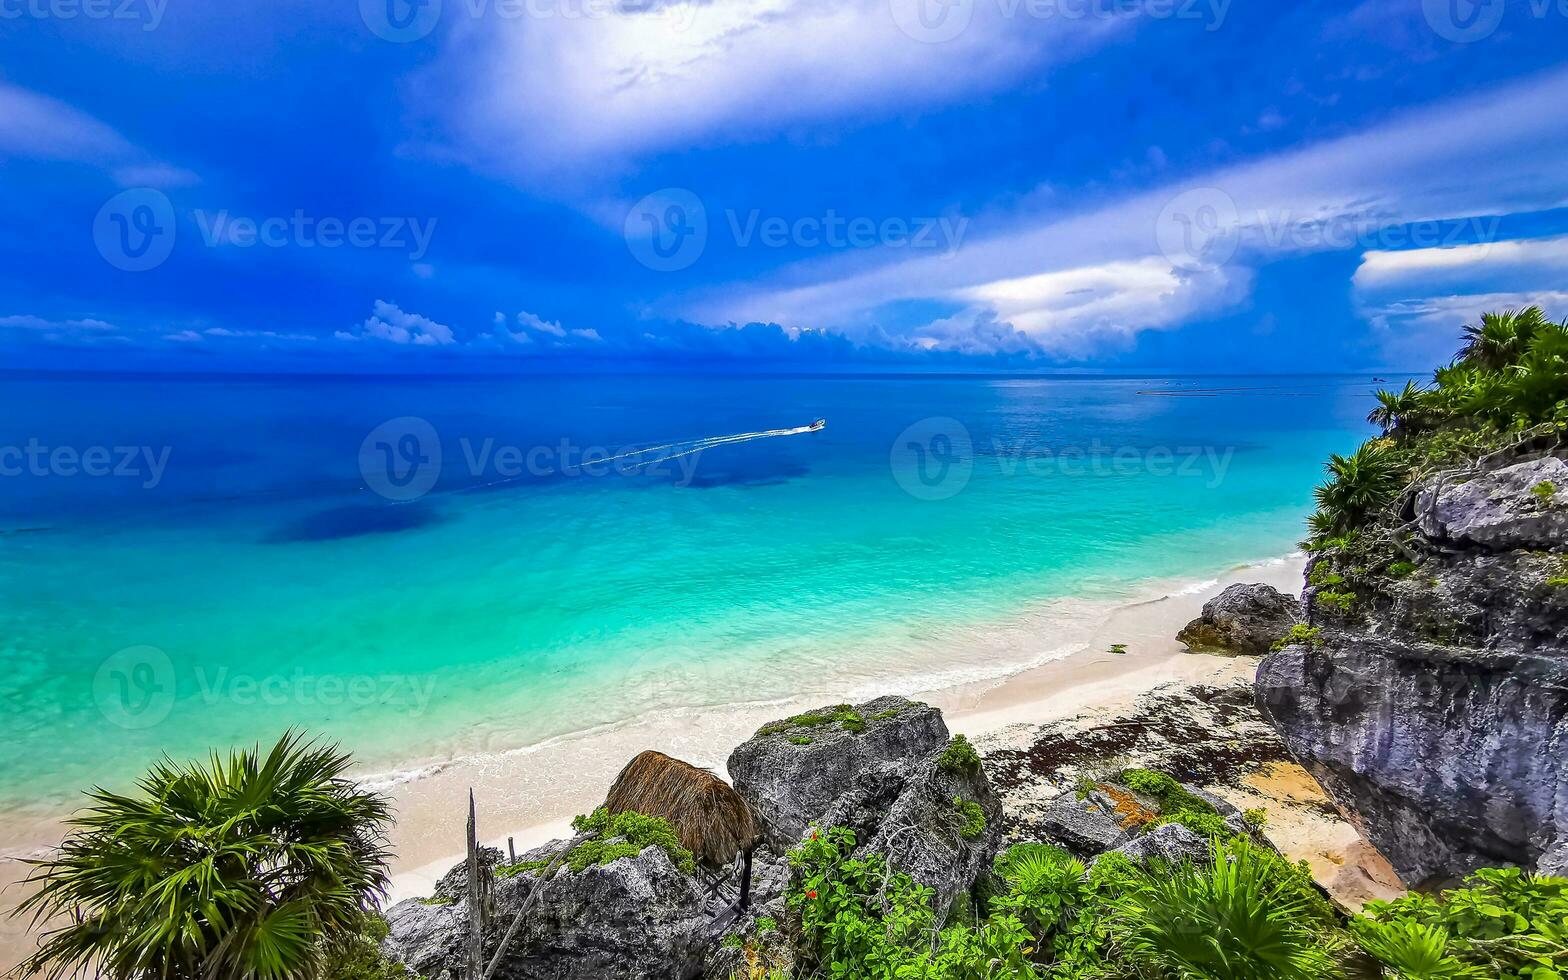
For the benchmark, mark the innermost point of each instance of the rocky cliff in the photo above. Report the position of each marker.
(1429, 694)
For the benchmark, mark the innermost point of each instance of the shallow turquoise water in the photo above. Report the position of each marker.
(263, 582)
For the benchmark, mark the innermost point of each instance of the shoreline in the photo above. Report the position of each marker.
(432, 809)
(530, 793)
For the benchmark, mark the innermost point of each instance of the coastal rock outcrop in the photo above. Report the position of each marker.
(632, 918)
(1433, 703)
(1243, 619)
(1513, 507)
(884, 770)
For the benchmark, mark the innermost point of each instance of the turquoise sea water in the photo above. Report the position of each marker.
(248, 561)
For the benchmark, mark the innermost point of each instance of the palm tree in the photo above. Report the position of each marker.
(1500, 338)
(1359, 484)
(241, 868)
(1401, 410)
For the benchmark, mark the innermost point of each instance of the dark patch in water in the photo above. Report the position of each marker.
(747, 475)
(355, 521)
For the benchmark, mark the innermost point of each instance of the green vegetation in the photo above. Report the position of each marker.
(843, 715)
(626, 834)
(1301, 634)
(959, 757)
(254, 865)
(1401, 569)
(801, 740)
(1511, 376)
(1341, 602)
(883, 715)
(973, 818)
(1545, 493)
(1245, 913)
(1256, 916)
(1504, 923)
(1176, 804)
(357, 955)
(765, 924)
(1118, 648)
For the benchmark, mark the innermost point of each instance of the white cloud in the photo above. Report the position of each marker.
(1535, 258)
(1428, 165)
(30, 322)
(36, 126)
(389, 323)
(533, 322)
(1069, 311)
(543, 92)
(1426, 331)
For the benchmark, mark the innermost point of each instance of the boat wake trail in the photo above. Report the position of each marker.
(637, 459)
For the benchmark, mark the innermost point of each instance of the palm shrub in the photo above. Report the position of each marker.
(1405, 409)
(1234, 918)
(247, 867)
(1501, 338)
(1359, 485)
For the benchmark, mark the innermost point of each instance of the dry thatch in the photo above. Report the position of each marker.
(713, 821)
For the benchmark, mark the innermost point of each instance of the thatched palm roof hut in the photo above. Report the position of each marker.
(713, 821)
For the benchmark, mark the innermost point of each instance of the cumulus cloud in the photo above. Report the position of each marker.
(30, 322)
(1425, 268)
(391, 324)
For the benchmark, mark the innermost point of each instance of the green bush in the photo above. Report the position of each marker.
(1299, 634)
(1505, 923)
(959, 758)
(972, 817)
(1235, 918)
(626, 834)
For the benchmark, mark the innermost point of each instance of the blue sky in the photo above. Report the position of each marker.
(468, 185)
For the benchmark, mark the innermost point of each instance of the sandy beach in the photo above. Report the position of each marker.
(530, 795)
(527, 796)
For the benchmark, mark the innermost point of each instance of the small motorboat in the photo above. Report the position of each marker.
(818, 425)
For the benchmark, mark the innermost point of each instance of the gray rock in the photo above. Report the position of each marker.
(1243, 619)
(1446, 758)
(1554, 862)
(633, 918)
(841, 778)
(1084, 827)
(1171, 843)
(1497, 510)
(1479, 599)
(921, 833)
(884, 783)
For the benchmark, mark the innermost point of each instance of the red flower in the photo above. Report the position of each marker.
(814, 835)
(812, 893)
